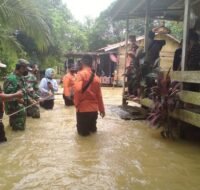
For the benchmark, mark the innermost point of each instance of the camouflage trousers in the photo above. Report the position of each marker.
(33, 111)
(18, 121)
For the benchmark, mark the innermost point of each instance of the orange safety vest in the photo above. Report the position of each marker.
(68, 83)
(91, 100)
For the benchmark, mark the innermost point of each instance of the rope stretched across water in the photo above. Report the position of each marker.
(26, 107)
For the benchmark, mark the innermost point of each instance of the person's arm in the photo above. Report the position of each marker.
(55, 85)
(66, 82)
(7, 97)
(66, 86)
(77, 88)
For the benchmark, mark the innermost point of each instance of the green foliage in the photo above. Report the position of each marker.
(9, 60)
(104, 30)
(176, 28)
(41, 31)
(25, 16)
(17, 16)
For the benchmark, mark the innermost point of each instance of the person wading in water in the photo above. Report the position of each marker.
(87, 98)
(48, 86)
(6, 97)
(13, 83)
(68, 83)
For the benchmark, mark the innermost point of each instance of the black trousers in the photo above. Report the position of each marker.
(67, 101)
(47, 104)
(86, 122)
(2, 133)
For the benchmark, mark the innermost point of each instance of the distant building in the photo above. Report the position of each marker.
(108, 66)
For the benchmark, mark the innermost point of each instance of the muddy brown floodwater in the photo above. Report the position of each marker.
(123, 155)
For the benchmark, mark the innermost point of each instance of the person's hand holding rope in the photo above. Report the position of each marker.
(19, 94)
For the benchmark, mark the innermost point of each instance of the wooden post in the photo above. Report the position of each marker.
(117, 67)
(147, 18)
(126, 51)
(110, 71)
(185, 33)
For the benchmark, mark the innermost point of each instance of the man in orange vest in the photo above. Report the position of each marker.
(68, 83)
(87, 98)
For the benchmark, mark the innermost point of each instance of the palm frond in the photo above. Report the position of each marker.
(23, 15)
(8, 41)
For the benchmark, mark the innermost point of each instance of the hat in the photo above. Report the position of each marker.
(24, 62)
(2, 65)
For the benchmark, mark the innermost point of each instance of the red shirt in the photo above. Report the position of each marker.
(91, 100)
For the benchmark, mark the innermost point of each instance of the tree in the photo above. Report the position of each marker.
(176, 28)
(40, 31)
(24, 16)
(106, 31)
(17, 16)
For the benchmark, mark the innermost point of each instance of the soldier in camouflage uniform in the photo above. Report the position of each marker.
(5, 97)
(33, 91)
(14, 82)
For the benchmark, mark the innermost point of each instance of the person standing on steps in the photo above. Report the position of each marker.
(87, 98)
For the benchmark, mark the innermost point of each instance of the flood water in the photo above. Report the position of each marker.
(123, 155)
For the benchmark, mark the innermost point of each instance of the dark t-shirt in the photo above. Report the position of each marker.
(194, 58)
(177, 59)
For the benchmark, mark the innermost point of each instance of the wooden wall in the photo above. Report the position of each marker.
(166, 55)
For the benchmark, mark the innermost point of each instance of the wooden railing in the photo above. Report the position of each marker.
(186, 76)
(192, 115)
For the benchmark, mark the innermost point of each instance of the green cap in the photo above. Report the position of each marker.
(25, 63)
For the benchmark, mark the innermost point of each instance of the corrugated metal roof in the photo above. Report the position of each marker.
(165, 9)
(80, 54)
(112, 46)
